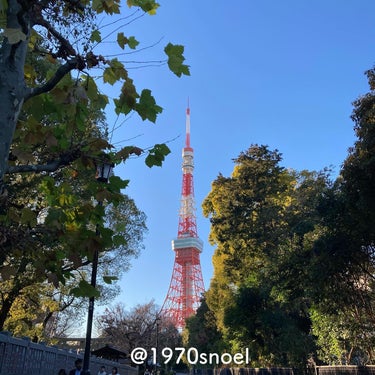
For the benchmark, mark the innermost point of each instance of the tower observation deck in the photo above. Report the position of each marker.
(186, 286)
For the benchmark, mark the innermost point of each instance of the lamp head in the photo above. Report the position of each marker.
(104, 171)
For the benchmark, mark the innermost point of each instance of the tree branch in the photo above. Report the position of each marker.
(66, 49)
(75, 63)
(52, 166)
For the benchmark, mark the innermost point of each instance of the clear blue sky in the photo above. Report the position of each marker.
(280, 73)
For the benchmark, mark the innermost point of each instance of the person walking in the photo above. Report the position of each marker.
(78, 367)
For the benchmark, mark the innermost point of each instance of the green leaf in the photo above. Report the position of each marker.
(97, 5)
(81, 116)
(112, 6)
(119, 240)
(118, 183)
(95, 36)
(121, 106)
(108, 6)
(109, 279)
(128, 98)
(176, 59)
(93, 93)
(114, 72)
(122, 40)
(109, 76)
(126, 151)
(132, 42)
(148, 6)
(84, 289)
(147, 107)
(157, 155)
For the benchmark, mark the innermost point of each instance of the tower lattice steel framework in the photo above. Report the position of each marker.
(186, 286)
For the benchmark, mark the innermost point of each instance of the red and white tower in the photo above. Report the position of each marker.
(186, 287)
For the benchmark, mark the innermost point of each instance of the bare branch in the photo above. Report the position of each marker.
(122, 26)
(135, 51)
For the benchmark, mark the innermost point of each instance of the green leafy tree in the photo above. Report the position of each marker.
(294, 263)
(343, 264)
(359, 167)
(65, 33)
(260, 218)
(47, 215)
(33, 313)
(342, 338)
(242, 209)
(54, 125)
(53, 136)
(49, 305)
(201, 331)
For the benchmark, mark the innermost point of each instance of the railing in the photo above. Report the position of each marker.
(253, 371)
(23, 357)
(345, 370)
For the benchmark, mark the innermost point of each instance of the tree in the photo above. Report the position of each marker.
(49, 223)
(343, 338)
(255, 206)
(138, 328)
(49, 305)
(201, 331)
(129, 329)
(261, 219)
(60, 132)
(344, 252)
(53, 29)
(54, 126)
(128, 222)
(359, 167)
(37, 312)
(294, 263)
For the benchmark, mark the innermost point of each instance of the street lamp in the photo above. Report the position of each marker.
(157, 321)
(103, 173)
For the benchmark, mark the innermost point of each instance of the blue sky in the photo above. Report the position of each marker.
(280, 73)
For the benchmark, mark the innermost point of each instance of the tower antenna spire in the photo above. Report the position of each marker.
(187, 142)
(186, 286)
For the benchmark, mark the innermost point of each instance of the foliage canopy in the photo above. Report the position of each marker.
(54, 136)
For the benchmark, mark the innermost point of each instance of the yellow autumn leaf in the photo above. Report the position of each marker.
(29, 72)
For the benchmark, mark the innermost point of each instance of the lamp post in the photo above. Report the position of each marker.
(103, 172)
(157, 321)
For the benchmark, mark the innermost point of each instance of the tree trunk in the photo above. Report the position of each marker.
(7, 302)
(12, 83)
(7, 305)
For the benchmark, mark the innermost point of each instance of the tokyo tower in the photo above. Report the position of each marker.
(186, 286)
